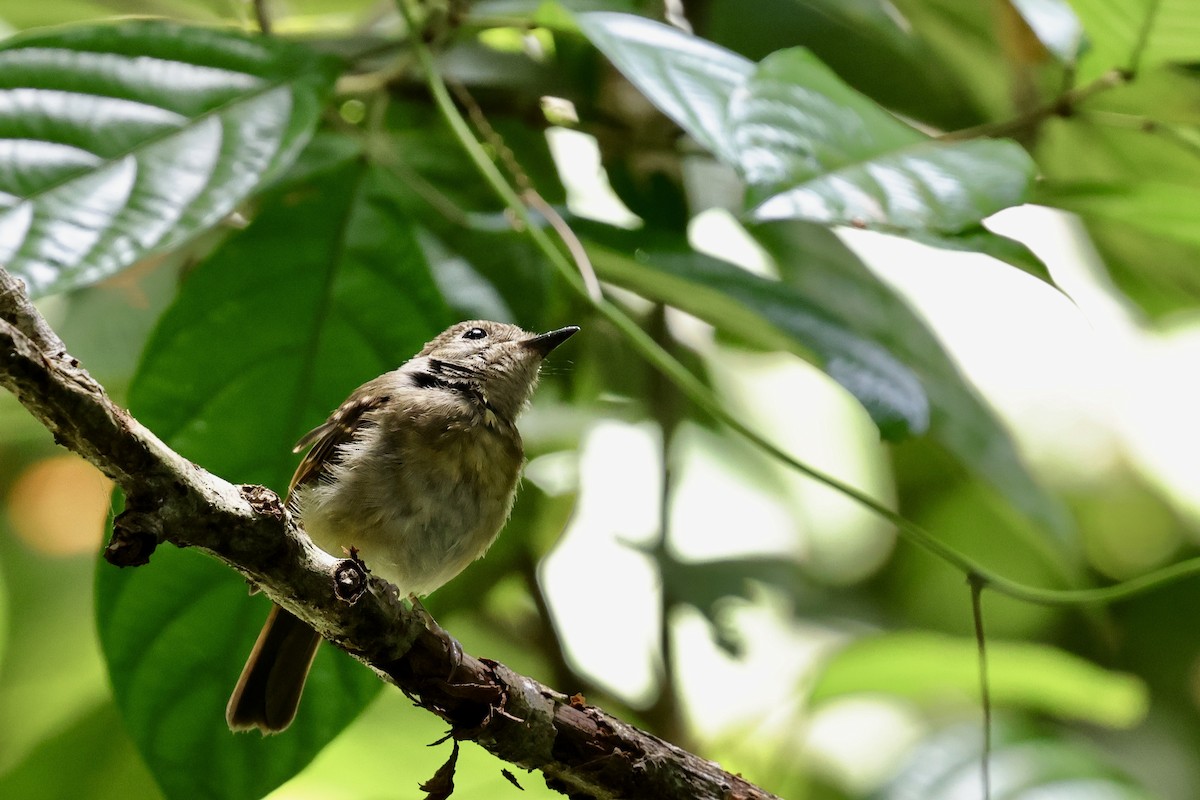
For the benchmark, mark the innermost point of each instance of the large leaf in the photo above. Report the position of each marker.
(120, 140)
(1147, 234)
(1167, 210)
(931, 667)
(327, 288)
(812, 148)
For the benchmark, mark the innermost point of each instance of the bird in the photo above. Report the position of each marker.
(416, 472)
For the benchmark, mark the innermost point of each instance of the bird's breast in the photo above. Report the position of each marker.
(420, 498)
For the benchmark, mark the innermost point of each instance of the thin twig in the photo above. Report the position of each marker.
(1062, 106)
(665, 712)
(526, 190)
(985, 693)
(263, 17)
(579, 255)
(1143, 38)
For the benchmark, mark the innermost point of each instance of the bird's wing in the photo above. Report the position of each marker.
(335, 431)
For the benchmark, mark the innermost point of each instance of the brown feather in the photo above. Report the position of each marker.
(339, 429)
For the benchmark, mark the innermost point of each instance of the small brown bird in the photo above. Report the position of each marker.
(417, 470)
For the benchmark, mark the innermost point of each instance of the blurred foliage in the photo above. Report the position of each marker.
(233, 230)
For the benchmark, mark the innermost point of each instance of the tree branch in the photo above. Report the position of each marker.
(582, 751)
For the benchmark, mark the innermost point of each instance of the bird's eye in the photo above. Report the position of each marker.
(475, 333)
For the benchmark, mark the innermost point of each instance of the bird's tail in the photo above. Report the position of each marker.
(268, 693)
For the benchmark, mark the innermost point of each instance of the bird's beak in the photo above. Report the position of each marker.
(546, 342)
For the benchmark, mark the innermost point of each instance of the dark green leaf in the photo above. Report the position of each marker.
(326, 289)
(123, 140)
(484, 266)
(689, 79)
(774, 315)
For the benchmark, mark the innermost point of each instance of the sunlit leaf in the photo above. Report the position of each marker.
(326, 289)
(122, 140)
(812, 148)
(931, 667)
(1168, 210)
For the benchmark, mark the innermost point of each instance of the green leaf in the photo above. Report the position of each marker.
(812, 148)
(1128, 221)
(326, 289)
(111, 771)
(123, 140)
(1167, 210)
(689, 79)
(930, 667)
(1161, 286)
(1128, 167)
(774, 315)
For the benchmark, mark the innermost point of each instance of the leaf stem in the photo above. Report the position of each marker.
(1143, 38)
(691, 387)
